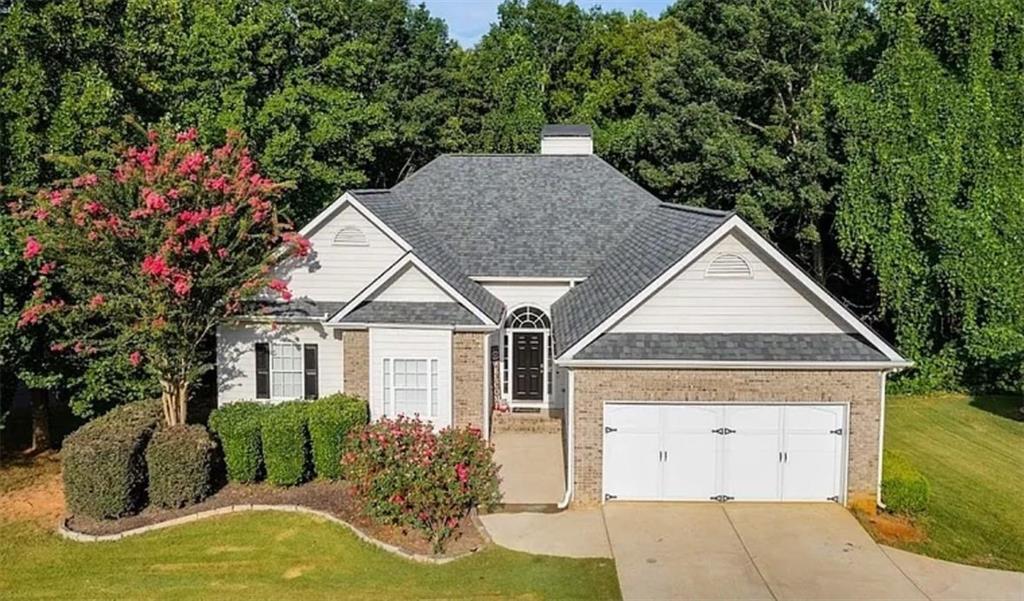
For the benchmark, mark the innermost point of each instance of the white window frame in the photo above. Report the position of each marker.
(301, 371)
(433, 400)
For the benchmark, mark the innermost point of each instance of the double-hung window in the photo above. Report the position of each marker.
(286, 371)
(410, 387)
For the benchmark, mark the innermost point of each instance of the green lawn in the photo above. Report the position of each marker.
(971, 449)
(256, 556)
(274, 556)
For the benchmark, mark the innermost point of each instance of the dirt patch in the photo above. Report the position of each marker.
(331, 497)
(892, 529)
(40, 502)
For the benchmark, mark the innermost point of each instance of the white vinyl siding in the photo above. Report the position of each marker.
(236, 357)
(537, 294)
(411, 372)
(567, 145)
(410, 285)
(335, 272)
(765, 302)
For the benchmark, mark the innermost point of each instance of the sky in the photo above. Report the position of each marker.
(469, 20)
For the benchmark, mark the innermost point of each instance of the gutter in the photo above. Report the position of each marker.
(697, 364)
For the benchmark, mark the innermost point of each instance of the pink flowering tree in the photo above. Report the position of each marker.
(146, 259)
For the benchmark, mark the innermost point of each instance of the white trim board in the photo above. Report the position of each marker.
(735, 223)
(407, 259)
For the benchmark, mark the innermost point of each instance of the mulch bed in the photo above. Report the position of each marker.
(332, 497)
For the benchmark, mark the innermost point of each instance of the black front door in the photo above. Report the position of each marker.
(528, 365)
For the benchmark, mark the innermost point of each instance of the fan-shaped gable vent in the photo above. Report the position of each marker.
(350, 236)
(729, 266)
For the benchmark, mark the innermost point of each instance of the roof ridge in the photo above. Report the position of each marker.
(697, 210)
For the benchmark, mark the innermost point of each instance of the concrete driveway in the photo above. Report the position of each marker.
(772, 551)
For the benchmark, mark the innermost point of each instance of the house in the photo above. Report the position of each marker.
(688, 357)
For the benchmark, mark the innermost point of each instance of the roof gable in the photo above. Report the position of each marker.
(582, 331)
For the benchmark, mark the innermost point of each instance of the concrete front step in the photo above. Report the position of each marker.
(542, 422)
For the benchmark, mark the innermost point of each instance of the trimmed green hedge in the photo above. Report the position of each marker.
(286, 443)
(104, 466)
(180, 460)
(237, 425)
(330, 420)
(904, 489)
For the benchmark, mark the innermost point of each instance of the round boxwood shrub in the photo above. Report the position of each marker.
(237, 425)
(904, 489)
(104, 465)
(330, 420)
(180, 461)
(286, 443)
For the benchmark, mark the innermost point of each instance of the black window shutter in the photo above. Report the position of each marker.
(262, 370)
(311, 370)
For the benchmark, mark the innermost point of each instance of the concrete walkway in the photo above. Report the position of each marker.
(575, 533)
(747, 551)
(532, 467)
(944, 580)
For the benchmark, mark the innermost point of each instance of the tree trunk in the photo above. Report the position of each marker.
(40, 420)
(175, 401)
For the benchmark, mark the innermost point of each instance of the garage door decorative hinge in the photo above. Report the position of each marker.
(609, 429)
(836, 431)
(609, 497)
(724, 431)
(834, 499)
(722, 498)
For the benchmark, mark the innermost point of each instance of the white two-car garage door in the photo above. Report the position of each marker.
(724, 452)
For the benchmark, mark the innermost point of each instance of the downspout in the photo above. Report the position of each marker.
(570, 441)
(487, 388)
(881, 439)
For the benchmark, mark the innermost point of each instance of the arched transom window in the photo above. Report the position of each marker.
(528, 318)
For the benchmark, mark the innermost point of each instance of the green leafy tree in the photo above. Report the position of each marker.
(142, 262)
(934, 191)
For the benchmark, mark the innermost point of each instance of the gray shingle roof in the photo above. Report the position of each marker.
(732, 347)
(395, 211)
(525, 215)
(656, 242)
(297, 307)
(426, 313)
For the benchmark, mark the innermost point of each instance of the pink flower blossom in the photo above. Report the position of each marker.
(41, 214)
(199, 244)
(462, 472)
(154, 201)
(192, 163)
(32, 248)
(281, 287)
(57, 197)
(97, 301)
(298, 242)
(222, 253)
(189, 135)
(47, 268)
(218, 184)
(92, 207)
(85, 181)
(182, 285)
(135, 358)
(155, 266)
(58, 347)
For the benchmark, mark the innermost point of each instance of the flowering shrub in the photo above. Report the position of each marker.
(142, 261)
(407, 475)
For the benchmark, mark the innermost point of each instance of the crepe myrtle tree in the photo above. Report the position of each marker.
(145, 259)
